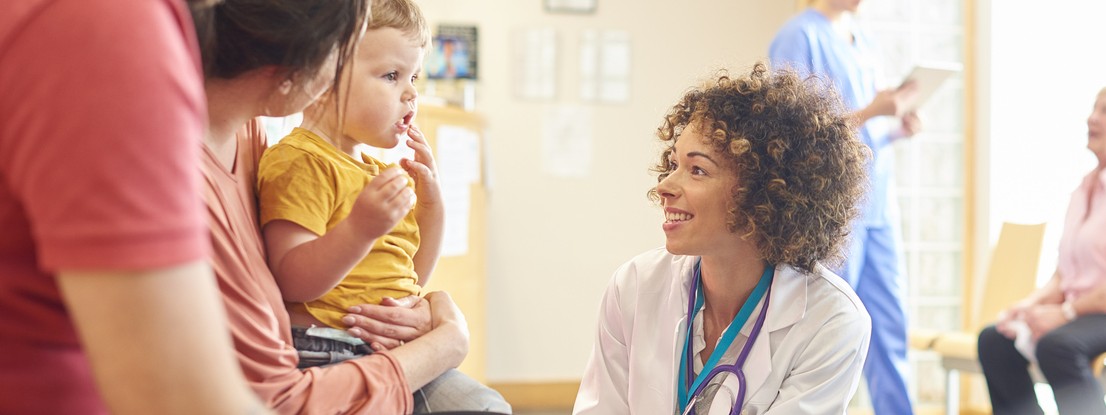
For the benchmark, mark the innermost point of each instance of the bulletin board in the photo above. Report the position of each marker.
(464, 275)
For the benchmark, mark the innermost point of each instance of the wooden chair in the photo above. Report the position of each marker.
(1011, 275)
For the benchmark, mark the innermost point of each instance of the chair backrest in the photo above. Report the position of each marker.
(1012, 272)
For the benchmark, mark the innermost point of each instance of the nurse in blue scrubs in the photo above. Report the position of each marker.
(823, 40)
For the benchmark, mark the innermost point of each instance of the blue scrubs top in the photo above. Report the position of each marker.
(809, 44)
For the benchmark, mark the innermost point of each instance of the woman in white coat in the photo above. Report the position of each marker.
(759, 182)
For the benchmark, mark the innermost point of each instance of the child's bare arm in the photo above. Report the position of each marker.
(429, 211)
(307, 265)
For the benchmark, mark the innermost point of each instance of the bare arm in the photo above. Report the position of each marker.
(892, 102)
(443, 348)
(429, 212)
(307, 265)
(1048, 294)
(1050, 313)
(1093, 302)
(158, 341)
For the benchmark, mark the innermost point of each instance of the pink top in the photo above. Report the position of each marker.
(1082, 262)
(101, 115)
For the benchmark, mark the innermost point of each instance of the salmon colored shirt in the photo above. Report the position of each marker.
(101, 115)
(1082, 261)
(309, 182)
(373, 384)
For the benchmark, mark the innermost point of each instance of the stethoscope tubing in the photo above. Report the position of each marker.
(737, 367)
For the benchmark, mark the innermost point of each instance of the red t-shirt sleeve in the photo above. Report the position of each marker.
(103, 144)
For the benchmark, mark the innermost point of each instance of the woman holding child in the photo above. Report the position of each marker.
(275, 57)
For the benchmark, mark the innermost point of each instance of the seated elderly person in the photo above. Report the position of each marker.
(1062, 325)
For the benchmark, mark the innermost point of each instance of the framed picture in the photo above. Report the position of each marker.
(453, 55)
(570, 6)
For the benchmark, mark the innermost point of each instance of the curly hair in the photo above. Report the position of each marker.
(794, 149)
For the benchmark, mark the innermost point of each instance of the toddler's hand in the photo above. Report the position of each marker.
(382, 204)
(423, 169)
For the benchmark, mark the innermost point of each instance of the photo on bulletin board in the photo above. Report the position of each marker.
(453, 54)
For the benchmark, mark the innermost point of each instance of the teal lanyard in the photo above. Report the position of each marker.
(735, 326)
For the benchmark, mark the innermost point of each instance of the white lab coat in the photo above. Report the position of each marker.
(807, 359)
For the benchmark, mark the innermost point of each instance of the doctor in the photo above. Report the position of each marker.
(759, 182)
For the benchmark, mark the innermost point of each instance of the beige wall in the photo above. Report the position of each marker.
(554, 242)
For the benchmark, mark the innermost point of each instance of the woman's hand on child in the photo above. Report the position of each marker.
(382, 203)
(423, 169)
(391, 323)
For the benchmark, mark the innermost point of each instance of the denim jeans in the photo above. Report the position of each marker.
(455, 391)
(320, 351)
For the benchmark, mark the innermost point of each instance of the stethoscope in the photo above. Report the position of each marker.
(694, 303)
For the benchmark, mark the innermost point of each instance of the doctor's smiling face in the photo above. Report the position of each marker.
(762, 160)
(696, 193)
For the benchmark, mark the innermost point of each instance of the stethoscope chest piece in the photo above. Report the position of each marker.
(698, 384)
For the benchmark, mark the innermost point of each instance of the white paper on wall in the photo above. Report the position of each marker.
(605, 65)
(458, 159)
(536, 63)
(567, 141)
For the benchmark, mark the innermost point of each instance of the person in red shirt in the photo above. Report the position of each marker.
(107, 301)
(246, 78)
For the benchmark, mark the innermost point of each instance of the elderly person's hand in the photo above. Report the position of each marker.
(1044, 318)
(1016, 312)
(391, 323)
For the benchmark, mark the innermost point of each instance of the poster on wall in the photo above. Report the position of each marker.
(453, 54)
(605, 66)
(458, 150)
(567, 141)
(535, 63)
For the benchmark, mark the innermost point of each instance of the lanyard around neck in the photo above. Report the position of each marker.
(685, 384)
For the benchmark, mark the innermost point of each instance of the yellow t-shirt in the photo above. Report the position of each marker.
(309, 182)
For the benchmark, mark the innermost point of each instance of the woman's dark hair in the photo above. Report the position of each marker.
(237, 36)
(794, 150)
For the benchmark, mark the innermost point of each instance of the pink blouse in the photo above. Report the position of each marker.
(1082, 262)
